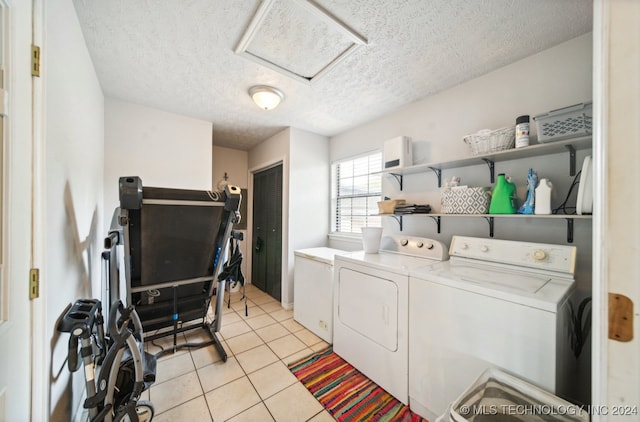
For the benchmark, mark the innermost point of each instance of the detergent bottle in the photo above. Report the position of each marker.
(543, 197)
(530, 203)
(502, 197)
(514, 198)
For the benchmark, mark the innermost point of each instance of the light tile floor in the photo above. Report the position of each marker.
(254, 384)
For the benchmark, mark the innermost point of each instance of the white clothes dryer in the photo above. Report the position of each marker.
(495, 303)
(371, 326)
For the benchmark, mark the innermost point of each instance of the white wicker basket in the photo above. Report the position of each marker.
(487, 141)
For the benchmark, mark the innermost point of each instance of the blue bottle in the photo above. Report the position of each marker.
(529, 205)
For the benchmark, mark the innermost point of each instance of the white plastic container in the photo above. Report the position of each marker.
(498, 394)
(371, 239)
(543, 197)
(565, 123)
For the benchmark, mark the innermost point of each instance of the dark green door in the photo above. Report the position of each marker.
(266, 268)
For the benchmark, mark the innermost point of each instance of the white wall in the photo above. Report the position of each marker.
(233, 162)
(309, 193)
(555, 78)
(74, 137)
(164, 149)
(305, 177)
(309, 196)
(269, 152)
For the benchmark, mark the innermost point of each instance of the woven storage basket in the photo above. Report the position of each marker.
(484, 142)
(466, 201)
(388, 206)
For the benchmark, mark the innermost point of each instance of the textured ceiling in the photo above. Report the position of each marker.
(179, 55)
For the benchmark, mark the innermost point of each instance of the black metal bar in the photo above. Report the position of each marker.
(207, 327)
(219, 347)
(569, 230)
(175, 318)
(437, 221)
(182, 329)
(492, 169)
(398, 178)
(438, 173)
(572, 159)
(490, 221)
(398, 218)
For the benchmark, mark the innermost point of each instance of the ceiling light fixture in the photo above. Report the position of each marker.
(266, 97)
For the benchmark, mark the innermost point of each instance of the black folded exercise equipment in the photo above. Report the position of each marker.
(164, 253)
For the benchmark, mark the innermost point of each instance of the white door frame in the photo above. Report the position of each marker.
(600, 283)
(40, 360)
(16, 330)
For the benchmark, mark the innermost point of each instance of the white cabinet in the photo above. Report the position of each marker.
(313, 290)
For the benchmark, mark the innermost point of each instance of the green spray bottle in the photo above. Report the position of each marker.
(502, 196)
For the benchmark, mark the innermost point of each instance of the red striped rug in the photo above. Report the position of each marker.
(345, 392)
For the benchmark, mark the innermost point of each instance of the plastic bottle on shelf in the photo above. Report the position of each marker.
(522, 131)
(502, 197)
(543, 197)
(529, 205)
(514, 199)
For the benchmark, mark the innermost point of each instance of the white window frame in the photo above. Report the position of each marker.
(370, 217)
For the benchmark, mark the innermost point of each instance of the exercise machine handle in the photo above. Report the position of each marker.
(72, 358)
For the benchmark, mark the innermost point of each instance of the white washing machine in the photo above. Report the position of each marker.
(313, 290)
(495, 303)
(371, 299)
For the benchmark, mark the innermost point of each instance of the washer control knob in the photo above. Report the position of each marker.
(420, 244)
(464, 246)
(404, 242)
(484, 248)
(430, 245)
(540, 255)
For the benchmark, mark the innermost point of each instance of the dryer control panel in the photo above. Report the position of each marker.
(421, 247)
(541, 256)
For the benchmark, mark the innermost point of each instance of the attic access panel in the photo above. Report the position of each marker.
(298, 39)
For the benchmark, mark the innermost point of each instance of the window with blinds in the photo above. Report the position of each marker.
(356, 191)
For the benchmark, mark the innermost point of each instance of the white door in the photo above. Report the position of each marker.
(616, 233)
(370, 324)
(368, 305)
(16, 206)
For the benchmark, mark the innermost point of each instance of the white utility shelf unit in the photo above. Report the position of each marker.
(537, 150)
(570, 145)
(437, 218)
